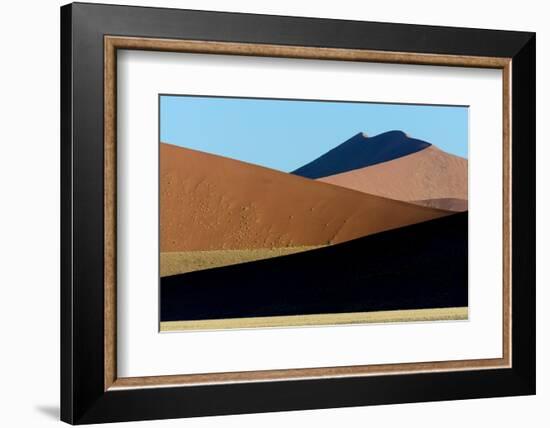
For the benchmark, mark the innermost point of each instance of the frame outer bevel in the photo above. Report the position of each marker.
(524, 214)
(66, 316)
(83, 399)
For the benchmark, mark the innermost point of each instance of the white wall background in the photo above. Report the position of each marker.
(29, 214)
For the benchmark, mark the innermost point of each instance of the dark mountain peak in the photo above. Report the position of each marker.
(394, 134)
(361, 151)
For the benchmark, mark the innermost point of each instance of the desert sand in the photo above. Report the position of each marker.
(451, 204)
(177, 262)
(420, 266)
(406, 315)
(210, 202)
(429, 174)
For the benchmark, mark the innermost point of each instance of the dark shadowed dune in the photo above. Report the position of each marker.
(415, 267)
(361, 151)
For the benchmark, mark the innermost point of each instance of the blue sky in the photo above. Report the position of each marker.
(286, 134)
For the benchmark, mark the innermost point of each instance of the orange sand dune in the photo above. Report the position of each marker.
(450, 204)
(427, 174)
(211, 202)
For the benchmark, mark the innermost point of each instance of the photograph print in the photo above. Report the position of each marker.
(288, 212)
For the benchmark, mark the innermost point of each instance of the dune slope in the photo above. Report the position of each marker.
(450, 204)
(209, 202)
(429, 174)
(415, 267)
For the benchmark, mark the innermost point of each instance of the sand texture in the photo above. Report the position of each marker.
(451, 204)
(188, 261)
(429, 174)
(210, 202)
(407, 315)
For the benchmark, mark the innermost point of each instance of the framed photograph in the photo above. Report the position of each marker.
(265, 213)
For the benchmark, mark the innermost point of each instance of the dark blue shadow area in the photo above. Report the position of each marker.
(360, 151)
(414, 267)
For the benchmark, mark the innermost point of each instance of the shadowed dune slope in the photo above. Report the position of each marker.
(361, 151)
(211, 202)
(428, 174)
(415, 267)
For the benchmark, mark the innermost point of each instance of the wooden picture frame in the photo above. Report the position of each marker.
(91, 390)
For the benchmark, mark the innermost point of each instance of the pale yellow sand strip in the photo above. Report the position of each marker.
(409, 315)
(173, 263)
